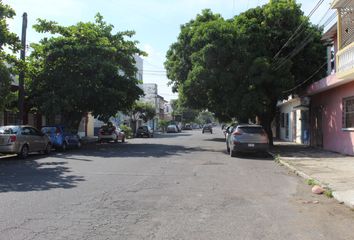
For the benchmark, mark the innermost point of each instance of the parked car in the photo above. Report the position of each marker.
(22, 140)
(247, 138)
(187, 127)
(61, 138)
(144, 131)
(172, 129)
(109, 132)
(207, 128)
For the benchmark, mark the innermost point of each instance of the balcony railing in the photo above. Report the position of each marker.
(345, 62)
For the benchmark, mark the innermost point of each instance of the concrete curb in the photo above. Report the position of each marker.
(337, 195)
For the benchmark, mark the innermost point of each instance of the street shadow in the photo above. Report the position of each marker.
(172, 135)
(135, 150)
(18, 175)
(215, 140)
(255, 156)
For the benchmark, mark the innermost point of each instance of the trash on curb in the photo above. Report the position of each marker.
(317, 189)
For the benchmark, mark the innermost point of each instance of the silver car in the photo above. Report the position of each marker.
(22, 140)
(247, 138)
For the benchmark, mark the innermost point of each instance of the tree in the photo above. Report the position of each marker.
(232, 67)
(141, 110)
(183, 112)
(7, 61)
(83, 68)
(163, 124)
(205, 117)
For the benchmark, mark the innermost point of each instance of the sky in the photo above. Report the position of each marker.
(156, 22)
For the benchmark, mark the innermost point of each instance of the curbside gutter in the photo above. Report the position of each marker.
(344, 197)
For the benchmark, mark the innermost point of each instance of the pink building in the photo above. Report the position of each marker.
(332, 98)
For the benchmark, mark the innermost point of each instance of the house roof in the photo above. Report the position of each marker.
(341, 3)
(330, 34)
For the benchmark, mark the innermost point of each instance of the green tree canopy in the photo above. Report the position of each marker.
(11, 42)
(237, 68)
(141, 110)
(83, 68)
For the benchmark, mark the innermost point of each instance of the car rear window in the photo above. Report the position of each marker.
(252, 130)
(9, 130)
(48, 130)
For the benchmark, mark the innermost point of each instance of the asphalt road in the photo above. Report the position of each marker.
(173, 186)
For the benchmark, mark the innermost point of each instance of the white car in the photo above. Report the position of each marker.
(172, 129)
(109, 133)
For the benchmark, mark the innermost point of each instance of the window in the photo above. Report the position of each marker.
(287, 120)
(282, 120)
(348, 112)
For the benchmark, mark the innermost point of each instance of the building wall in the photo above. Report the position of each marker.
(294, 119)
(331, 105)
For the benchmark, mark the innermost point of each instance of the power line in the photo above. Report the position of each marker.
(278, 64)
(306, 80)
(296, 33)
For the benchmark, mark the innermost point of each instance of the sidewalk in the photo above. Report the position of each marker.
(331, 170)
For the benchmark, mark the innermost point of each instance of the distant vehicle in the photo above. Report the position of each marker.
(109, 132)
(172, 129)
(144, 131)
(247, 138)
(187, 127)
(61, 138)
(207, 128)
(22, 140)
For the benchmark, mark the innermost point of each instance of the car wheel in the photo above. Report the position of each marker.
(24, 152)
(48, 148)
(64, 147)
(232, 153)
(123, 139)
(78, 145)
(116, 139)
(203, 132)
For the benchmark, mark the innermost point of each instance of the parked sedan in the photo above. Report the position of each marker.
(172, 129)
(110, 133)
(144, 131)
(22, 140)
(247, 138)
(61, 138)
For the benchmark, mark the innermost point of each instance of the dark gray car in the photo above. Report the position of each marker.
(22, 140)
(247, 138)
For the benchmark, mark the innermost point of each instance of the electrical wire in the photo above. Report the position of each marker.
(306, 80)
(278, 64)
(297, 33)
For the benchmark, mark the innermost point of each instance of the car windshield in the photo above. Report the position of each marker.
(9, 130)
(252, 130)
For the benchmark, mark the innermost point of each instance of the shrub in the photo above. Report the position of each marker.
(127, 130)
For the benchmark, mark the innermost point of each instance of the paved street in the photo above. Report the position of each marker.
(173, 186)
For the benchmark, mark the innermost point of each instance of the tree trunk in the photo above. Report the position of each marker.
(266, 120)
(72, 120)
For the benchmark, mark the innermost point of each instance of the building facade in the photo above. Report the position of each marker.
(294, 120)
(332, 98)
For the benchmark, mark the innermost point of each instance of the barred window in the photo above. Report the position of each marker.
(348, 112)
(282, 120)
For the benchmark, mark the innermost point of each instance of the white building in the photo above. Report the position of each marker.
(293, 124)
(151, 96)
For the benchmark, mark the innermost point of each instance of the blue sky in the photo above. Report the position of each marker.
(156, 22)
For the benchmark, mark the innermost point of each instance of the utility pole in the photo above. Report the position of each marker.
(21, 91)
